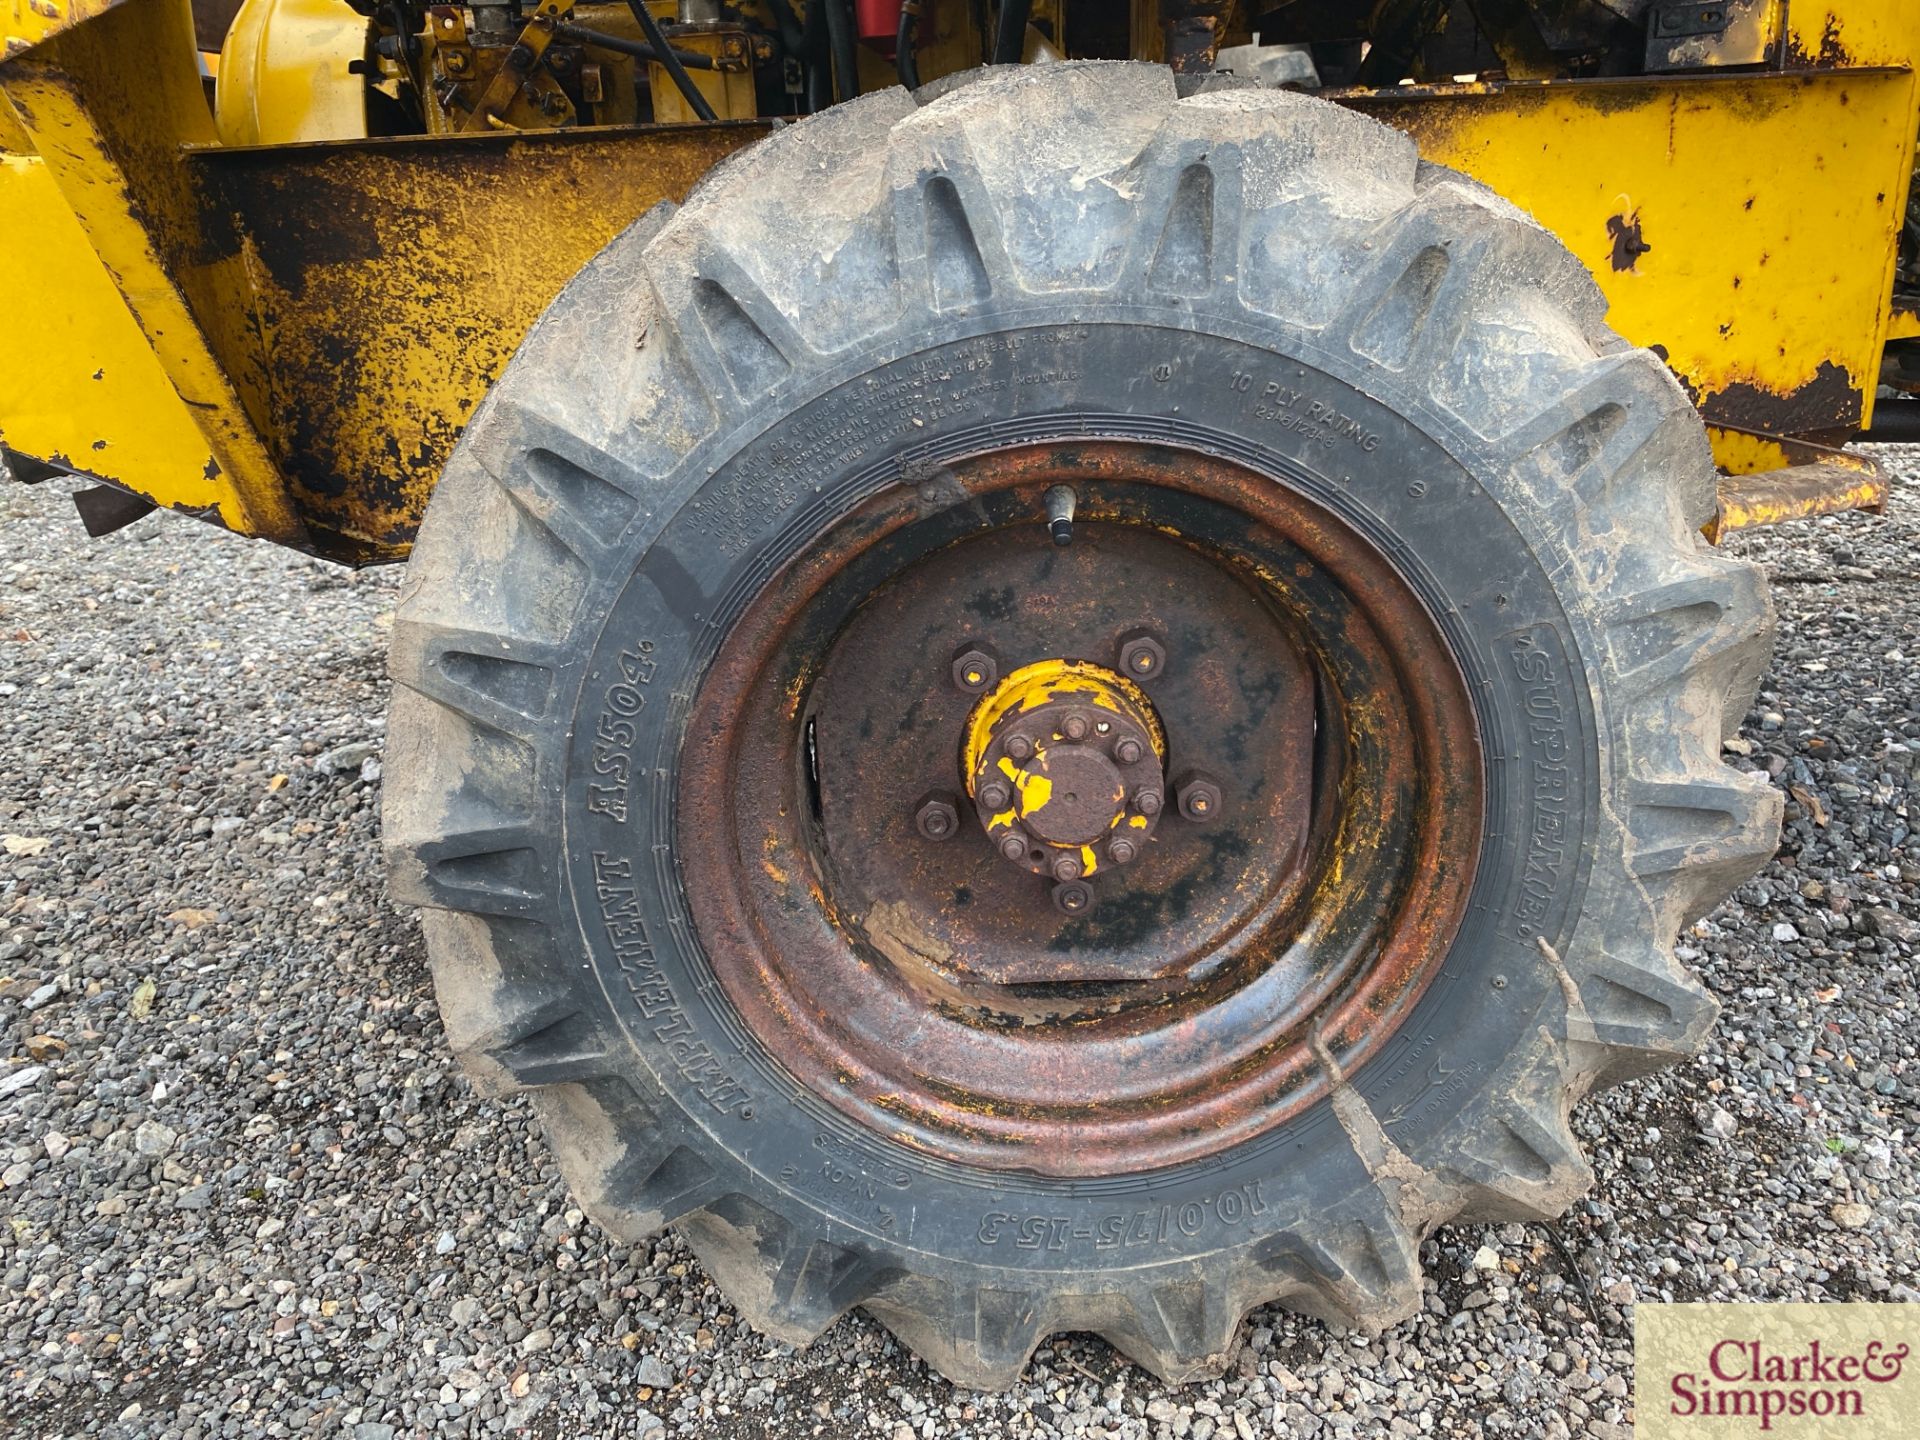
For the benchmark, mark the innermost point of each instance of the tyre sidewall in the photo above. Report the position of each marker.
(1432, 497)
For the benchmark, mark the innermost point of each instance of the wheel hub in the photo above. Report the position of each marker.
(1306, 797)
(1063, 762)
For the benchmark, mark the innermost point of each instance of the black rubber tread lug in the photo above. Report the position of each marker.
(665, 1187)
(580, 494)
(1359, 1270)
(569, 1048)
(788, 1284)
(1521, 1161)
(1702, 835)
(1695, 626)
(1105, 116)
(1183, 261)
(1605, 437)
(1179, 1329)
(948, 247)
(980, 1336)
(503, 682)
(1491, 258)
(1648, 1011)
(487, 867)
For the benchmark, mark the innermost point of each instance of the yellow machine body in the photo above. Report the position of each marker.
(259, 313)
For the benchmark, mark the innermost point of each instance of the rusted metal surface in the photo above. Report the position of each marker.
(1191, 32)
(1062, 760)
(1307, 700)
(393, 279)
(1769, 301)
(1825, 486)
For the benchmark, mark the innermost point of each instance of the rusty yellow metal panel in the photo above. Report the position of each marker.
(1852, 33)
(107, 107)
(28, 22)
(86, 391)
(391, 280)
(1747, 225)
(328, 314)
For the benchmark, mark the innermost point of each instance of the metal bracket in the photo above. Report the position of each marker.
(1675, 18)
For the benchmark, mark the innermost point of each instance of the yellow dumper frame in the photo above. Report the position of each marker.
(287, 340)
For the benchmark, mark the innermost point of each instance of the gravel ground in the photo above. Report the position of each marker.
(246, 1193)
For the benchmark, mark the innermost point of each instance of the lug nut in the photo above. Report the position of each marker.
(1014, 847)
(1019, 748)
(1147, 801)
(1075, 897)
(1067, 867)
(974, 668)
(994, 795)
(1141, 656)
(1128, 751)
(1122, 851)
(938, 817)
(1198, 798)
(1074, 727)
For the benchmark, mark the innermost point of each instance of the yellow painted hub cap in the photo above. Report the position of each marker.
(1020, 734)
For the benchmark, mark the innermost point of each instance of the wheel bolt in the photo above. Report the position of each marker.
(1019, 748)
(1198, 798)
(995, 795)
(1122, 851)
(1014, 847)
(1067, 867)
(1074, 727)
(1128, 751)
(938, 817)
(1142, 656)
(1075, 897)
(1147, 801)
(974, 668)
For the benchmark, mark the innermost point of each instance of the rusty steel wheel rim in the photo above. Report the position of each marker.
(1294, 888)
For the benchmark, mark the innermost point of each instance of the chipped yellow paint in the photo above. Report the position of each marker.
(26, 23)
(1771, 205)
(88, 392)
(1853, 32)
(1032, 686)
(1029, 688)
(1031, 792)
(112, 148)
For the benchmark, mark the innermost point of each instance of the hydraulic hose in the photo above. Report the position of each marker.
(903, 61)
(580, 35)
(1010, 41)
(670, 59)
(846, 55)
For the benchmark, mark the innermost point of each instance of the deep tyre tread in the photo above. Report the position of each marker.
(1076, 185)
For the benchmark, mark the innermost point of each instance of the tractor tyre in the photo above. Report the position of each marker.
(1069, 708)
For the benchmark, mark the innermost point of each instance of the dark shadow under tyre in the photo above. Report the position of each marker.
(1008, 936)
